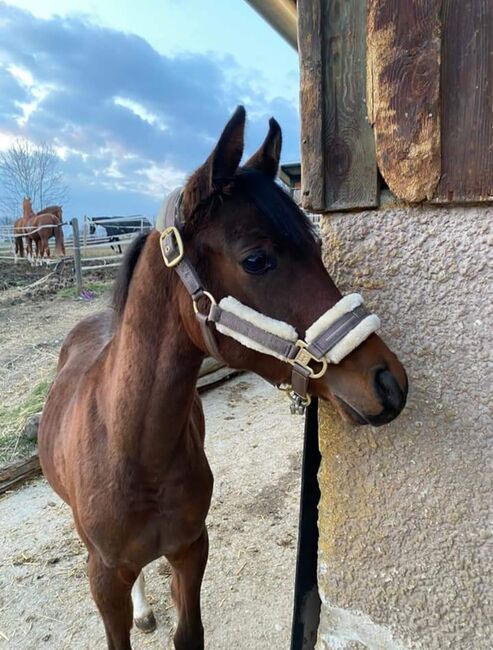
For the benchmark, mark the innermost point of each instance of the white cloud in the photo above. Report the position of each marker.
(23, 76)
(159, 180)
(140, 111)
(28, 108)
(63, 152)
(38, 92)
(6, 140)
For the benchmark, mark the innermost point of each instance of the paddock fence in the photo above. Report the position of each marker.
(89, 247)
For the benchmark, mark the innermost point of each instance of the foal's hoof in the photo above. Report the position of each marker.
(147, 623)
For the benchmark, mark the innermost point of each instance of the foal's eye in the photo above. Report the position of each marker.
(258, 263)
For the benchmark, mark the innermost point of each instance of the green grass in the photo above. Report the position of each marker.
(13, 419)
(97, 288)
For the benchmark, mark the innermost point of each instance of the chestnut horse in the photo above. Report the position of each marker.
(40, 227)
(19, 234)
(121, 438)
(21, 229)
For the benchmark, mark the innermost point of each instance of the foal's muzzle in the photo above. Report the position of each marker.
(390, 395)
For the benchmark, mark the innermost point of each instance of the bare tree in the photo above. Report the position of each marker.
(32, 170)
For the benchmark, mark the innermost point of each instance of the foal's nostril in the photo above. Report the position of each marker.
(388, 389)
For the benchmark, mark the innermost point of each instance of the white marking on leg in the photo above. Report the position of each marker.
(141, 606)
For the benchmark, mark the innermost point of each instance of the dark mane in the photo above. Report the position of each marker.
(283, 216)
(125, 272)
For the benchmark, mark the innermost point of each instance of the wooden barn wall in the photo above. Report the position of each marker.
(404, 94)
(467, 101)
(339, 164)
(311, 46)
(426, 69)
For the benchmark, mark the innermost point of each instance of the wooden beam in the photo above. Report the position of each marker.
(404, 83)
(310, 47)
(339, 169)
(351, 178)
(467, 102)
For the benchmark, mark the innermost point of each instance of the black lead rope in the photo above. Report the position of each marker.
(306, 610)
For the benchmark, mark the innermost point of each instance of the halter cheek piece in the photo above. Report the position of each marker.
(328, 340)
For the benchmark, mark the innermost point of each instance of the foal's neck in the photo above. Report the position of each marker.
(154, 364)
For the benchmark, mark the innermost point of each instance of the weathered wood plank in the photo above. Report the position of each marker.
(209, 364)
(214, 378)
(18, 473)
(467, 101)
(404, 79)
(351, 178)
(310, 46)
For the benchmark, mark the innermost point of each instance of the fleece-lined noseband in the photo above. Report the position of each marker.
(329, 339)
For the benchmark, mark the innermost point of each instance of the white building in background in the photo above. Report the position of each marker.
(290, 177)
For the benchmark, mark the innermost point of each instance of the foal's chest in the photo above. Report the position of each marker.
(159, 515)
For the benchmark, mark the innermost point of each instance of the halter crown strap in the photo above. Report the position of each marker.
(328, 340)
(170, 222)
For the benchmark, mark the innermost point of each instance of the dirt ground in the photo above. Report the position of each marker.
(254, 448)
(33, 322)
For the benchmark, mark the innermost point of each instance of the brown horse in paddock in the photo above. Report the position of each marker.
(121, 438)
(55, 210)
(40, 227)
(19, 234)
(22, 228)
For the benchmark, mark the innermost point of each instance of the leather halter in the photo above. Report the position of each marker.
(230, 317)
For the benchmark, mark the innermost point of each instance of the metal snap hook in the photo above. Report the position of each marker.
(298, 404)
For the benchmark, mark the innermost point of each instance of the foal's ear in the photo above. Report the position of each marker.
(220, 166)
(225, 158)
(266, 159)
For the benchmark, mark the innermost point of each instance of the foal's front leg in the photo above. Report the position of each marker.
(188, 569)
(111, 591)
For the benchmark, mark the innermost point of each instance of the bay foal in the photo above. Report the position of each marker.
(121, 439)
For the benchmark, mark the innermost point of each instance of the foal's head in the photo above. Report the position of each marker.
(248, 239)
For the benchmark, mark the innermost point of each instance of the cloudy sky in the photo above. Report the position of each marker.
(134, 94)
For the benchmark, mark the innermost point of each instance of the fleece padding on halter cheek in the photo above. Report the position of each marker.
(343, 306)
(351, 339)
(259, 321)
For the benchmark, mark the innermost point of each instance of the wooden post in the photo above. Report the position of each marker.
(84, 235)
(77, 264)
(339, 169)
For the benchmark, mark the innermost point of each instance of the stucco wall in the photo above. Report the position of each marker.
(405, 555)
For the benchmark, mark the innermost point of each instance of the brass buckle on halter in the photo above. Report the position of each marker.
(204, 294)
(166, 249)
(304, 358)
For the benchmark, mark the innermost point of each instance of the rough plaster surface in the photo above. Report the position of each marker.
(405, 552)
